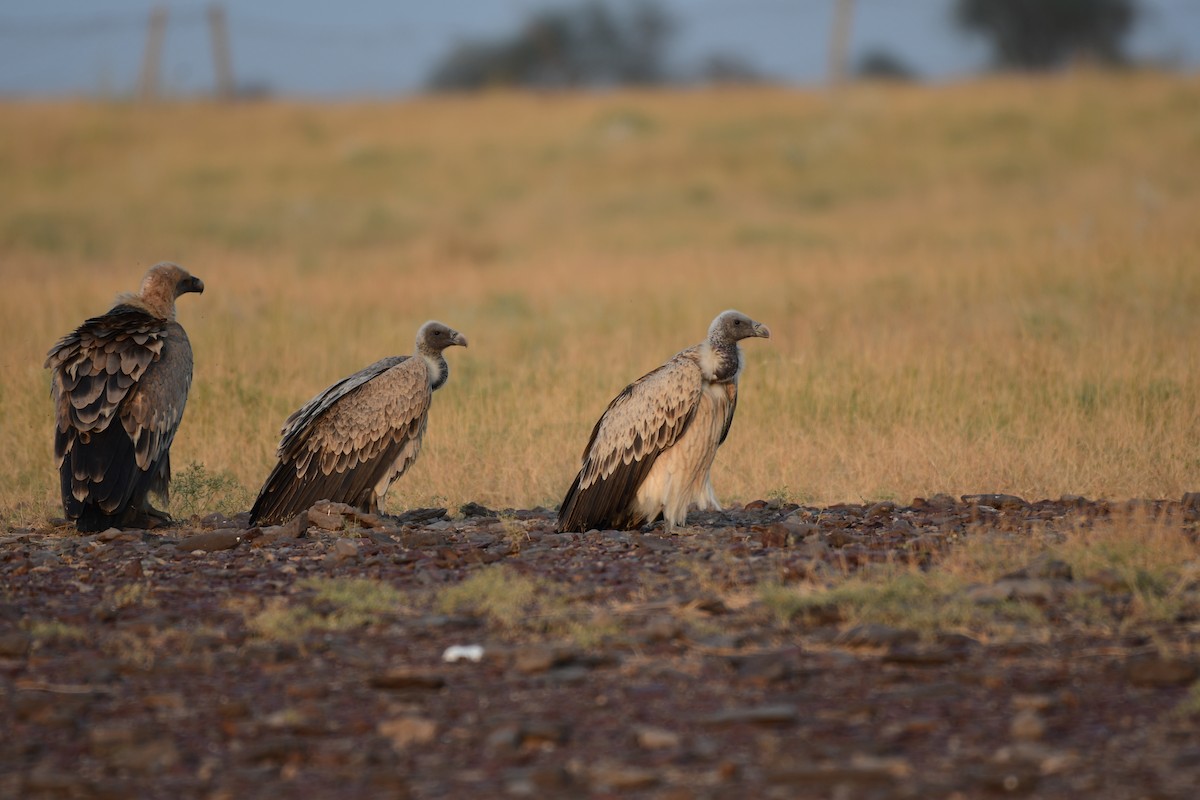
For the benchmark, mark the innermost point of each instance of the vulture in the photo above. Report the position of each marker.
(119, 384)
(352, 440)
(652, 450)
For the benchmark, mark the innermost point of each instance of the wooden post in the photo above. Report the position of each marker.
(222, 63)
(148, 81)
(839, 40)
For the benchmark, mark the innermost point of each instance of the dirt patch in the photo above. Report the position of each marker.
(764, 652)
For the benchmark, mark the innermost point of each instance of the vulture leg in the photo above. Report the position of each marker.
(147, 518)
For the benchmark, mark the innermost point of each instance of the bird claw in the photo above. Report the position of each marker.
(148, 519)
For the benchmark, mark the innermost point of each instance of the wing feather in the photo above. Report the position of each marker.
(125, 365)
(646, 418)
(357, 435)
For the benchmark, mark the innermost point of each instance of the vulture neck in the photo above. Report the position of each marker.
(721, 360)
(439, 370)
(151, 304)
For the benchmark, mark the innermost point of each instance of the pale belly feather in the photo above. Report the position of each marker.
(681, 476)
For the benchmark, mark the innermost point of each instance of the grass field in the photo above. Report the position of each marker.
(991, 286)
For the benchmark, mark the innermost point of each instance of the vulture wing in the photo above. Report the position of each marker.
(640, 423)
(350, 442)
(129, 366)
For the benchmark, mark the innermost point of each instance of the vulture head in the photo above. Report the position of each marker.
(434, 337)
(730, 326)
(162, 285)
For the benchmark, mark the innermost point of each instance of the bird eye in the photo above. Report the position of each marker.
(737, 322)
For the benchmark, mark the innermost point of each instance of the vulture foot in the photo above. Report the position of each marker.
(147, 518)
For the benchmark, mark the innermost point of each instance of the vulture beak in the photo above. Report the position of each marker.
(762, 331)
(459, 339)
(193, 284)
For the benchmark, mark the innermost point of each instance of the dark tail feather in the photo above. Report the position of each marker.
(607, 503)
(568, 516)
(272, 507)
(106, 469)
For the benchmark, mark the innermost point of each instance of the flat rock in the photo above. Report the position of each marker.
(924, 656)
(209, 542)
(1046, 569)
(652, 738)
(778, 714)
(1003, 502)
(14, 644)
(1027, 724)
(538, 658)
(408, 678)
(345, 550)
(875, 635)
(763, 668)
(860, 771)
(1154, 669)
(786, 533)
(1034, 590)
(404, 732)
(622, 777)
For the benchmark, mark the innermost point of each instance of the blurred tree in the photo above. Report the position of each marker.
(587, 45)
(1040, 34)
(884, 64)
(728, 68)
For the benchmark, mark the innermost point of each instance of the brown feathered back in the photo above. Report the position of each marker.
(350, 442)
(652, 449)
(132, 365)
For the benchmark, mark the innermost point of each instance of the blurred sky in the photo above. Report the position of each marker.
(383, 47)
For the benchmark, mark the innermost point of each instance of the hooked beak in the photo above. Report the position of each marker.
(762, 331)
(459, 339)
(194, 284)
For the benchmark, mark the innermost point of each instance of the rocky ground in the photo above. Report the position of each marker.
(481, 654)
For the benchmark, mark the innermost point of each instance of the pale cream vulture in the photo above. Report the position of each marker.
(350, 442)
(652, 450)
(119, 383)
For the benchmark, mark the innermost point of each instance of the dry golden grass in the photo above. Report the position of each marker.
(981, 287)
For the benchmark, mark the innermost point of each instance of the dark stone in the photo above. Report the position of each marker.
(1045, 569)
(1003, 502)
(1154, 669)
(476, 510)
(209, 542)
(763, 668)
(14, 644)
(417, 516)
(407, 678)
(780, 714)
(875, 635)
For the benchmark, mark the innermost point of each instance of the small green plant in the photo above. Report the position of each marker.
(500, 594)
(197, 491)
(133, 594)
(515, 602)
(514, 531)
(335, 605)
(779, 496)
(132, 649)
(1190, 704)
(1148, 561)
(49, 630)
(928, 601)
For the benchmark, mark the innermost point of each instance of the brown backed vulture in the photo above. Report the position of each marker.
(119, 383)
(350, 442)
(652, 450)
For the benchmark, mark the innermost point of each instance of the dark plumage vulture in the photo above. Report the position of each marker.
(652, 450)
(352, 440)
(119, 383)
